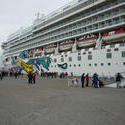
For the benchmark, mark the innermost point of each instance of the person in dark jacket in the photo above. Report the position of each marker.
(1, 77)
(34, 78)
(118, 79)
(87, 79)
(30, 77)
(83, 79)
(95, 80)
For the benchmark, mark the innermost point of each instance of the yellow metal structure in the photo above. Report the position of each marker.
(27, 67)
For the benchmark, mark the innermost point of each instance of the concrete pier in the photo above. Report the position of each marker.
(51, 102)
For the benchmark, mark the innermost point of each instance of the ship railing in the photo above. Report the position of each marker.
(65, 8)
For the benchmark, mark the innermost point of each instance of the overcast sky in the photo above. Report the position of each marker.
(21, 13)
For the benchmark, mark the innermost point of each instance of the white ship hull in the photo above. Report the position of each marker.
(99, 63)
(86, 36)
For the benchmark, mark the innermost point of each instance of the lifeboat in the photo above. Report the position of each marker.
(66, 45)
(87, 40)
(50, 48)
(114, 35)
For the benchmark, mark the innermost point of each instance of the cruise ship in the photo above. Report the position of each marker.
(84, 36)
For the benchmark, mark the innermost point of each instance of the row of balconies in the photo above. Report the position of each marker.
(88, 13)
(78, 31)
(73, 27)
(118, 35)
(72, 20)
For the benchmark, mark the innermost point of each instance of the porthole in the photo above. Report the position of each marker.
(109, 64)
(102, 64)
(95, 64)
(90, 65)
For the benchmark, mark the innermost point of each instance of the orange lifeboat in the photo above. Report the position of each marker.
(114, 35)
(87, 40)
(66, 45)
(50, 48)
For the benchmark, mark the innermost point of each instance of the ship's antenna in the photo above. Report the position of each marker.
(37, 15)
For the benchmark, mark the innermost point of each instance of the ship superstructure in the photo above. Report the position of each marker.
(88, 35)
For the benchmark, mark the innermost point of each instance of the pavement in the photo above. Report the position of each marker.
(51, 102)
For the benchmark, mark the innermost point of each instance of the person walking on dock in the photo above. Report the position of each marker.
(30, 77)
(83, 79)
(34, 78)
(118, 79)
(95, 80)
(1, 77)
(87, 80)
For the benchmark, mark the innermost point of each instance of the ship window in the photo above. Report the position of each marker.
(51, 66)
(109, 55)
(90, 65)
(62, 59)
(55, 60)
(116, 49)
(55, 65)
(122, 44)
(123, 63)
(79, 65)
(74, 65)
(70, 59)
(102, 64)
(123, 53)
(102, 24)
(70, 65)
(84, 53)
(95, 64)
(7, 59)
(65, 55)
(79, 53)
(79, 58)
(108, 50)
(89, 52)
(109, 64)
(89, 57)
(86, 49)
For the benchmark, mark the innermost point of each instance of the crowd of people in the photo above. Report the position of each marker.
(98, 83)
(31, 77)
(85, 78)
(49, 74)
(95, 80)
(3, 74)
(54, 74)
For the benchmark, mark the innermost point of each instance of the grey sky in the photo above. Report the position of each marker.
(21, 13)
